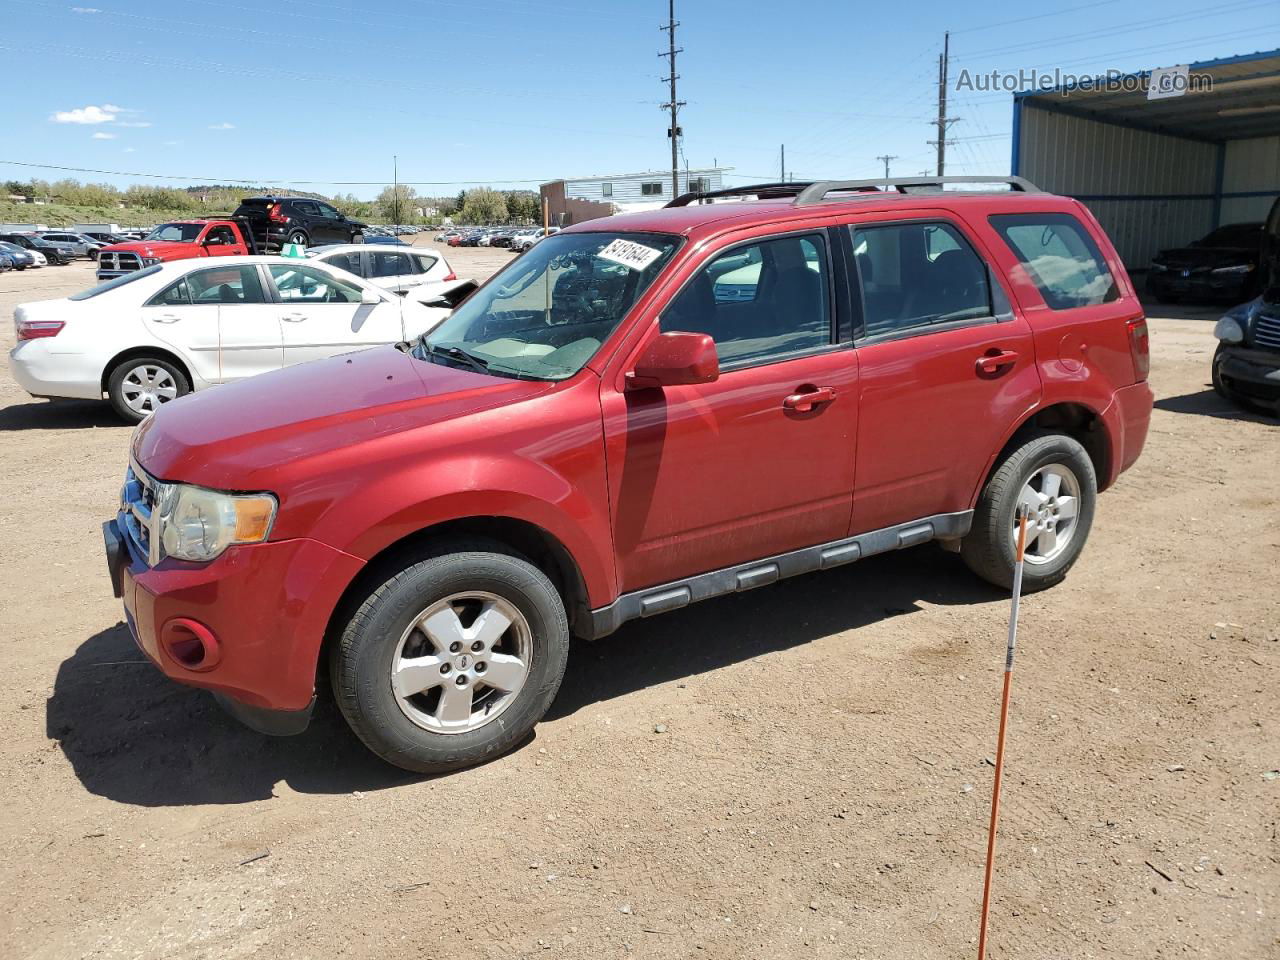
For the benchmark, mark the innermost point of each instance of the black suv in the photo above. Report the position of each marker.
(276, 221)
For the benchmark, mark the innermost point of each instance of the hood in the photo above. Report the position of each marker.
(153, 248)
(1206, 256)
(243, 435)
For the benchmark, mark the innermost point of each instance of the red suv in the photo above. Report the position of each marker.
(640, 412)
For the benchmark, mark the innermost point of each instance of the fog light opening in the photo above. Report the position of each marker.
(190, 644)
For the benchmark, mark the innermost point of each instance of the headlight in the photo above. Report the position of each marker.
(1159, 267)
(150, 261)
(193, 523)
(1242, 268)
(1228, 330)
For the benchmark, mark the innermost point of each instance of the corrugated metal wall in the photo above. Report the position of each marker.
(1251, 166)
(1165, 184)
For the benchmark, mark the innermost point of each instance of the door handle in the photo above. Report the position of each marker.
(293, 317)
(806, 400)
(991, 364)
(166, 318)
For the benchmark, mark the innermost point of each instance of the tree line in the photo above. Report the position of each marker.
(395, 204)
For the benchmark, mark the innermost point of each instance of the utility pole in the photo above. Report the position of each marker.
(886, 158)
(395, 188)
(674, 132)
(943, 123)
(782, 163)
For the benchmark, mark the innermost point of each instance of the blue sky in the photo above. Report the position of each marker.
(504, 91)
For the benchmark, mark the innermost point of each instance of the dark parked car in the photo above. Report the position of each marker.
(6, 262)
(55, 253)
(1246, 365)
(279, 220)
(1222, 265)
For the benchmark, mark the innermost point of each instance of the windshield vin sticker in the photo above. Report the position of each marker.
(634, 256)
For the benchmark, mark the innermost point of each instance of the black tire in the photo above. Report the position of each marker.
(988, 549)
(360, 664)
(298, 237)
(357, 237)
(116, 385)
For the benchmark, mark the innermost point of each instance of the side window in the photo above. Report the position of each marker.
(349, 262)
(425, 263)
(299, 284)
(226, 285)
(1060, 257)
(915, 275)
(327, 211)
(220, 235)
(306, 207)
(389, 265)
(174, 295)
(759, 301)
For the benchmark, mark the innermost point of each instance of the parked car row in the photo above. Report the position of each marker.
(513, 238)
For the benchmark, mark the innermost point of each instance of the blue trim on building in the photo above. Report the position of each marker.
(1202, 65)
(1016, 159)
(1219, 171)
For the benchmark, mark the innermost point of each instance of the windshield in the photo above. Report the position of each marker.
(176, 232)
(547, 313)
(117, 282)
(1244, 235)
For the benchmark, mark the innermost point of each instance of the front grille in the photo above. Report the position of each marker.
(137, 507)
(1266, 331)
(119, 261)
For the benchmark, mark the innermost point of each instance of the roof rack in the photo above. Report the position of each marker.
(762, 190)
(819, 191)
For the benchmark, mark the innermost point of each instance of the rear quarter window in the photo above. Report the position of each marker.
(1060, 258)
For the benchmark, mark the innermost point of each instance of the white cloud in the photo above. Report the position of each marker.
(222, 126)
(134, 123)
(104, 136)
(90, 114)
(85, 10)
(130, 150)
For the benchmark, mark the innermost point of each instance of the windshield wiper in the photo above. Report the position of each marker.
(456, 353)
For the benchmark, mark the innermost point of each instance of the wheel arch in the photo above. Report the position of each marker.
(133, 353)
(1080, 421)
(522, 537)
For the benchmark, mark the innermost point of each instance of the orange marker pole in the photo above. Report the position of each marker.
(1004, 720)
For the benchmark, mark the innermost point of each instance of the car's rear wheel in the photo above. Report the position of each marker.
(139, 386)
(1052, 476)
(451, 660)
(298, 237)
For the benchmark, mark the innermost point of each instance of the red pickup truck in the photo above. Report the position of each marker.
(178, 240)
(640, 413)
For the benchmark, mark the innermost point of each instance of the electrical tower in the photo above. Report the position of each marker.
(943, 123)
(673, 132)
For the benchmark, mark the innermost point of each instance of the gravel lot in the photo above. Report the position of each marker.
(819, 786)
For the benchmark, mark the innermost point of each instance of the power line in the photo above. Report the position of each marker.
(264, 181)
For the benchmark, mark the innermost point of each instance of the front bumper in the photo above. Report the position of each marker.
(266, 608)
(1254, 373)
(1199, 286)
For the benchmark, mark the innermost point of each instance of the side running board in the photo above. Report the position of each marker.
(758, 573)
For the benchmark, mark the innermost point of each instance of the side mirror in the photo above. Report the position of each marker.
(675, 359)
(369, 296)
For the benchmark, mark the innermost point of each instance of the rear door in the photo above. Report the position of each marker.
(394, 270)
(946, 368)
(321, 315)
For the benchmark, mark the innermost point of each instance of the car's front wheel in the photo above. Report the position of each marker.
(1051, 475)
(357, 237)
(451, 660)
(140, 385)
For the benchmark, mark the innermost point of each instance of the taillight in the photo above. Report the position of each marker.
(451, 276)
(37, 329)
(275, 213)
(1140, 347)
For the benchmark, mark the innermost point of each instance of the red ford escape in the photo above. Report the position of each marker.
(639, 413)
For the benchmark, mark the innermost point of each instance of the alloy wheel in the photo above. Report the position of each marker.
(1051, 498)
(462, 662)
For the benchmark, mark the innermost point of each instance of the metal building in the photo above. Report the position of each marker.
(1159, 166)
(581, 198)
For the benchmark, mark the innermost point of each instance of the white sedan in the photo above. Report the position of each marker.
(148, 337)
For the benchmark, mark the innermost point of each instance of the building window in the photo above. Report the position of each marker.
(700, 185)
(652, 189)
(606, 189)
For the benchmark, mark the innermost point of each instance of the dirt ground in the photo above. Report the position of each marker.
(819, 787)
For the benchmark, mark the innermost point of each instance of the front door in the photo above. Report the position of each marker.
(191, 329)
(322, 316)
(249, 340)
(947, 368)
(758, 462)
